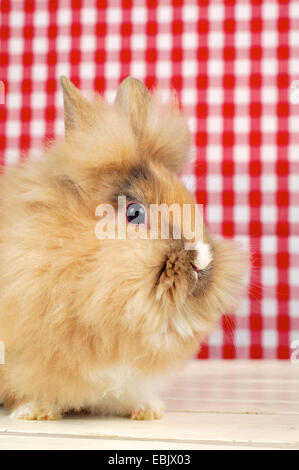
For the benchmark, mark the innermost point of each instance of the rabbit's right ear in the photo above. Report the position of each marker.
(162, 132)
(134, 99)
(79, 113)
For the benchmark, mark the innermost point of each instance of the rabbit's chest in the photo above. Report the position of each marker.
(123, 385)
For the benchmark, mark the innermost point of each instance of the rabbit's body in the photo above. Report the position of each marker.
(102, 324)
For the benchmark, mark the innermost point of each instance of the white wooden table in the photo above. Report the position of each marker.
(212, 405)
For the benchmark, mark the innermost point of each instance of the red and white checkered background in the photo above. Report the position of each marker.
(235, 66)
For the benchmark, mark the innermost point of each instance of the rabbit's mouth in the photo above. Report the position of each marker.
(182, 273)
(204, 280)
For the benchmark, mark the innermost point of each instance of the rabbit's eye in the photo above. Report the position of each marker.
(136, 213)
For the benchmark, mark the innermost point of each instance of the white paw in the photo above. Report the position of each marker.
(148, 412)
(31, 412)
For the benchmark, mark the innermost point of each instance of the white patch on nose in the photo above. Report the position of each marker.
(204, 255)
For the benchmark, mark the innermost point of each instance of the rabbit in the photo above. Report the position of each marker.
(103, 324)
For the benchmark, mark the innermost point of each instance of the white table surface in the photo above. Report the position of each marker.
(211, 405)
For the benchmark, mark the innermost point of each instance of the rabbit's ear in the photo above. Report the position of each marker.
(134, 99)
(79, 114)
(162, 132)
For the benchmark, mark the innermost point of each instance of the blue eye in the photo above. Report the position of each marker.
(136, 213)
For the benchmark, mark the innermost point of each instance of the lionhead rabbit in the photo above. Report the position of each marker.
(101, 323)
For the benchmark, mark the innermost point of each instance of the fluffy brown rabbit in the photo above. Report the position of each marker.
(101, 323)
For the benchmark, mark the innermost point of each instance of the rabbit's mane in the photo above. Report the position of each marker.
(71, 304)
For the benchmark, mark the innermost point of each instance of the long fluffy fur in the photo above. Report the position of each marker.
(84, 323)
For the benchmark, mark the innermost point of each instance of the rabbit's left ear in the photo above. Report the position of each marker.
(79, 113)
(134, 99)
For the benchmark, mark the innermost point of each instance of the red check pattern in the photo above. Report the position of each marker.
(235, 66)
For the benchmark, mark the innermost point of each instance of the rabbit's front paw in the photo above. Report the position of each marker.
(146, 413)
(32, 412)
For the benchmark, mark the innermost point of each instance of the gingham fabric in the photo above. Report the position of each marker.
(235, 65)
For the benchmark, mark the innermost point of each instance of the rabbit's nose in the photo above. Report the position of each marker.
(195, 268)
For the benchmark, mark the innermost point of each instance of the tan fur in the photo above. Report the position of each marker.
(102, 324)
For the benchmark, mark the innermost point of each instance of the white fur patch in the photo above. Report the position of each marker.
(122, 388)
(204, 256)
